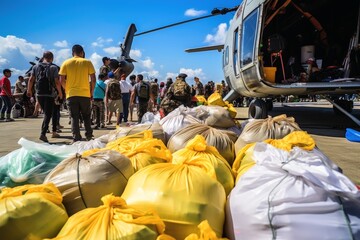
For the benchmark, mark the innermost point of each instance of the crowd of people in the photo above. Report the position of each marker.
(94, 101)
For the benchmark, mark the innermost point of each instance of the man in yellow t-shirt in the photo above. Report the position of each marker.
(74, 77)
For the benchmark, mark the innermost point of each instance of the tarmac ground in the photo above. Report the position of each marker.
(317, 118)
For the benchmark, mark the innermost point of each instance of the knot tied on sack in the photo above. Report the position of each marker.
(112, 201)
(198, 143)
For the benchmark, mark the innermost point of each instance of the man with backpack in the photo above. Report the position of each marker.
(142, 92)
(46, 79)
(178, 94)
(113, 98)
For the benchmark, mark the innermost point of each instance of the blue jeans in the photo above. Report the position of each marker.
(6, 105)
(126, 102)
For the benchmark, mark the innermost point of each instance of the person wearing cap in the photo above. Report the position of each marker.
(105, 68)
(6, 96)
(74, 77)
(178, 94)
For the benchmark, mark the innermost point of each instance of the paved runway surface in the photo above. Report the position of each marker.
(318, 119)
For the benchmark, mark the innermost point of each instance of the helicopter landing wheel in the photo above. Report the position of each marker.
(258, 109)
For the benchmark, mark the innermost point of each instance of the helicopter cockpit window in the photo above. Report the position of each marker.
(226, 56)
(248, 38)
(236, 52)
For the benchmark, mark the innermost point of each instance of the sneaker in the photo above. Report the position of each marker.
(102, 126)
(48, 131)
(43, 138)
(1, 119)
(55, 135)
(9, 120)
(96, 127)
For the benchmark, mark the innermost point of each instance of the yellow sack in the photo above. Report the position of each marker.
(31, 212)
(198, 152)
(244, 159)
(206, 233)
(215, 99)
(142, 149)
(112, 221)
(182, 194)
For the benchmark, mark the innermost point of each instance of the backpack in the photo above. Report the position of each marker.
(44, 84)
(143, 91)
(180, 90)
(114, 91)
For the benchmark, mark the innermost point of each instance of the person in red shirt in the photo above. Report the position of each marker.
(6, 96)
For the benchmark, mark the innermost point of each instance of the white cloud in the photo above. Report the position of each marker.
(135, 54)
(3, 61)
(219, 36)
(147, 63)
(194, 13)
(61, 55)
(11, 45)
(61, 44)
(16, 53)
(96, 60)
(113, 51)
(192, 72)
(100, 41)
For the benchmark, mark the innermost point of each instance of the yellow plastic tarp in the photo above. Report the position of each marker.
(182, 194)
(112, 221)
(207, 157)
(31, 212)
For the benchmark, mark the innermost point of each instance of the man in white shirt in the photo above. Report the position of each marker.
(126, 89)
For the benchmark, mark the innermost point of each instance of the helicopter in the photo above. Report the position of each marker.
(285, 47)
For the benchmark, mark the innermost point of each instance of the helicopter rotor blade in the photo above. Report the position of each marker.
(214, 13)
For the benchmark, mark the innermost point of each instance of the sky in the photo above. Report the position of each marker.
(28, 28)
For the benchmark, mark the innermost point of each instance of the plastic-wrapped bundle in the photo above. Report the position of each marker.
(214, 116)
(84, 180)
(178, 119)
(259, 130)
(182, 194)
(292, 195)
(32, 162)
(199, 152)
(88, 145)
(156, 129)
(222, 140)
(112, 221)
(31, 212)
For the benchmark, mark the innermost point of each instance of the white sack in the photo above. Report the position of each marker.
(292, 195)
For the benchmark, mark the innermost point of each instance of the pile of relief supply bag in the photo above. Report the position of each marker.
(195, 174)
